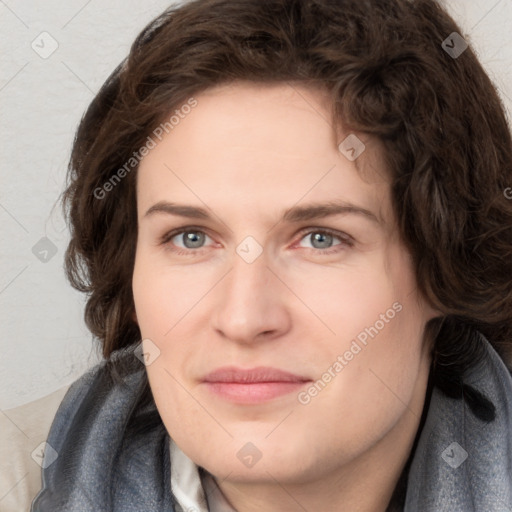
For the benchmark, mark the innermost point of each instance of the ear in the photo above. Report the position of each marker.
(134, 317)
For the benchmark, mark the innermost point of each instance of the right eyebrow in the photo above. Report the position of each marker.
(193, 212)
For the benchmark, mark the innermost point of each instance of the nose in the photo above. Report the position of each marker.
(250, 303)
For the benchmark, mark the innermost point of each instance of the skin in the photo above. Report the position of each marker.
(247, 153)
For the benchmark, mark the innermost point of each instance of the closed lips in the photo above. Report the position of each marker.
(252, 376)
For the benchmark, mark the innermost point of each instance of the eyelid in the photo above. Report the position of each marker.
(168, 235)
(344, 237)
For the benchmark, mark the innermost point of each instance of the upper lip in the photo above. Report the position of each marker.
(252, 375)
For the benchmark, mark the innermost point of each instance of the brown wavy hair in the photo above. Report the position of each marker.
(447, 146)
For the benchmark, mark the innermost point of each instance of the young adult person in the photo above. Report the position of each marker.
(291, 222)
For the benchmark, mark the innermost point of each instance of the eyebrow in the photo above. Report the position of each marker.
(294, 214)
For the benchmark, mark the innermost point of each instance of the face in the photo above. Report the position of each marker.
(273, 291)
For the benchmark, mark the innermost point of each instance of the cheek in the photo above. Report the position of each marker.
(377, 323)
(373, 391)
(164, 297)
(344, 299)
(164, 294)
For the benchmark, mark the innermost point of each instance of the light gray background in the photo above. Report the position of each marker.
(44, 342)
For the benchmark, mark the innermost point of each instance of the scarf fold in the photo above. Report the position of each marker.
(460, 464)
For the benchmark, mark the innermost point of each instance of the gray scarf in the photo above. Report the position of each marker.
(113, 450)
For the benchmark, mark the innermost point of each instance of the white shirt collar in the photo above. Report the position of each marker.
(193, 492)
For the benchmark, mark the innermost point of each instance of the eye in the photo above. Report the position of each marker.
(184, 241)
(322, 240)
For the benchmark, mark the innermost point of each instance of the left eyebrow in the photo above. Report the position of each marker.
(294, 214)
(331, 208)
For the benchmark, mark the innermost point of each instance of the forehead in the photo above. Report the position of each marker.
(264, 146)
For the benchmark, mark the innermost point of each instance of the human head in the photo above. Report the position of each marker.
(442, 129)
(249, 291)
(446, 139)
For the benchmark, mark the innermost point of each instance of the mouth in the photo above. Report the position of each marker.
(253, 385)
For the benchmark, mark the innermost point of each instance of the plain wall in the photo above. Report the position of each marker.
(44, 342)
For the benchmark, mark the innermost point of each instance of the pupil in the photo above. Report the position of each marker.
(321, 238)
(193, 238)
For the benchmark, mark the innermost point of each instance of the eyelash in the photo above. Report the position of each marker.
(346, 240)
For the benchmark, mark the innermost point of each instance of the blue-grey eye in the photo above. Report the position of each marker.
(191, 239)
(321, 239)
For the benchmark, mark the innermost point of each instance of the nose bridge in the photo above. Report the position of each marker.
(247, 285)
(250, 303)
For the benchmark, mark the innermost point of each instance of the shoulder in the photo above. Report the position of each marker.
(105, 423)
(24, 430)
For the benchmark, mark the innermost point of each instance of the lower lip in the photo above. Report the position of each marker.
(255, 392)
